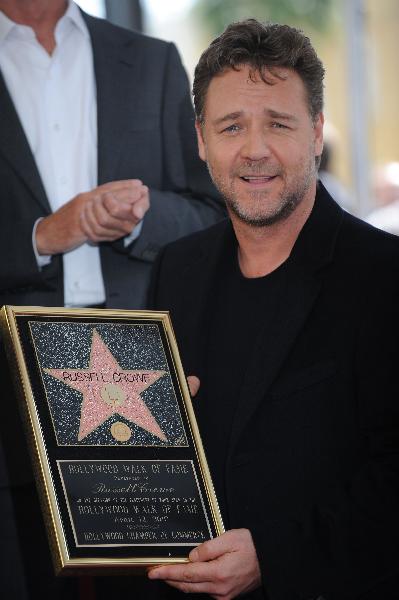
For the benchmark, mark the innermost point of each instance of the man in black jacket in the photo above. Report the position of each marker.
(287, 314)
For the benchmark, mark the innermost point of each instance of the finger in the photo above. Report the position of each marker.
(126, 195)
(91, 220)
(99, 226)
(86, 216)
(122, 184)
(103, 222)
(126, 205)
(92, 236)
(194, 588)
(223, 544)
(194, 384)
(117, 208)
(188, 573)
(140, 207)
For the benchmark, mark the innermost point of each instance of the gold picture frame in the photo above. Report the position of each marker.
(118, 460)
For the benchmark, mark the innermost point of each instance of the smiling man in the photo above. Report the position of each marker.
(287, 315)
(249, 168)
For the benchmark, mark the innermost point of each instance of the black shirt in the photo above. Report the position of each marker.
(233, 331)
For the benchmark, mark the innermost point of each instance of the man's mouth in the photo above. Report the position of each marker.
(255, 179)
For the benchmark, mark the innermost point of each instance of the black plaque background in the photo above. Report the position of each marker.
(55, 452)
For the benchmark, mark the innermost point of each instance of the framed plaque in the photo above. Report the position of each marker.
(119, 463)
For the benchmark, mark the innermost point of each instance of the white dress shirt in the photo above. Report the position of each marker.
(55, 98)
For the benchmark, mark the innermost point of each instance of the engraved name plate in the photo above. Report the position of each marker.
(118, 459)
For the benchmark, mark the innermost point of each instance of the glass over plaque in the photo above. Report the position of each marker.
(119, 463)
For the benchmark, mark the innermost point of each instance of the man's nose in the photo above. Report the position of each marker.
(256, 145)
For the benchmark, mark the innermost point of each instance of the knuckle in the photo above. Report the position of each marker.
(96, 231)
(220, 579)
(102, 222)
(104, 188)
(132, 197)
(188, 577)
(94, 198)
(113, 210)
(110, 203)
(108, 198)
(205, 550)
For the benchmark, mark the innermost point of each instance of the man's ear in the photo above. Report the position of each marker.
(318, 130)
(200, 140)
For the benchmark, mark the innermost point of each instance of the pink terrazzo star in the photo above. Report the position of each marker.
(107, 389)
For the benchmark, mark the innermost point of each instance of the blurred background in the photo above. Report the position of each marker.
(358, 42)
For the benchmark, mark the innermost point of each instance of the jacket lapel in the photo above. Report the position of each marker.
(117, 67)
(16, 150)
(195, 309)
(312, 251)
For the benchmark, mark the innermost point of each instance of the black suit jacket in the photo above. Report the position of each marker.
(313, 458)
(145, 131)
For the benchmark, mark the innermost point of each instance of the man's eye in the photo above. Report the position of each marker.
(231, 129)
(276, 125)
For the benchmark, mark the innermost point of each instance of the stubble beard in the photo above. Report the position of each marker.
(258, 216)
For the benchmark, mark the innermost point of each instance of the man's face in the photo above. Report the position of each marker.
(260, 143)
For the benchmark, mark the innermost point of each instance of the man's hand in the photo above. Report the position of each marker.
(193, 384)
(106, 213)
(224, 567)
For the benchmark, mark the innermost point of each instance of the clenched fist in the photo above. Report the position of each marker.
(106, 213)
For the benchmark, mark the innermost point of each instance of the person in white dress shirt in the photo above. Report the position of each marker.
(51, 69)
(98, 170)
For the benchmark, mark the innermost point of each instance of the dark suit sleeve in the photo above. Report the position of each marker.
(153, 287)
(19, 266)
(187, 201)
(21, 280)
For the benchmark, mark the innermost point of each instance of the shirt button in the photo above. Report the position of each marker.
(56, 127)
(63, 180)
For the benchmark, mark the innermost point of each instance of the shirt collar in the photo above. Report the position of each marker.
(6, 25)
(72, 14)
